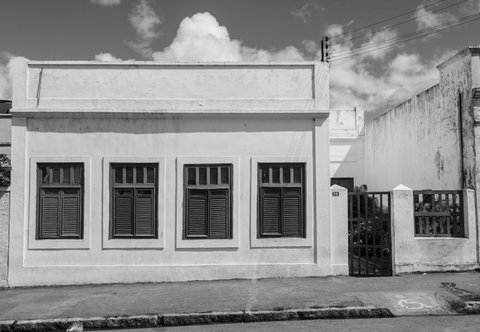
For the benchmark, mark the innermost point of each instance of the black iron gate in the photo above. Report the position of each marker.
(369, 235)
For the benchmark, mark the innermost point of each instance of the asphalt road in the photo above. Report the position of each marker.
(412, 323)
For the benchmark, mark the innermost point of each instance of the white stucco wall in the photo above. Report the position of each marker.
(347, 141)
(4, 225)
(414, 254)
(82, 112)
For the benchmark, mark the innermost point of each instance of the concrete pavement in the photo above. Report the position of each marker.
(158, 304)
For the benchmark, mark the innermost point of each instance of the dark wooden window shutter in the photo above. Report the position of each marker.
(197, 213)
(292, 212)
(270, 212)
(71, 225)
(207, 213)
(60, 192)
(123, 225)
(50, 213)
(134, 205)
(219, 212)
(281, 200)
(144, 212)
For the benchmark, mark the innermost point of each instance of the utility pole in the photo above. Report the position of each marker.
(325, 45)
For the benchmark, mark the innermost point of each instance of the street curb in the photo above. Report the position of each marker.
(159, 320)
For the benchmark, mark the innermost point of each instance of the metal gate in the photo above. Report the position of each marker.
(369, 234)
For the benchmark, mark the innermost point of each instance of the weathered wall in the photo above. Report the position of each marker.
(429, 140)
(347, 144)
(4, 225)
(414, 254)
(456, 89)
(416, 144)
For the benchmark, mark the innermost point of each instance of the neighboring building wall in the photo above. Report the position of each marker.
(4, 224)
(430, 142)
(347, 144)
(171, 114)
(419, 142)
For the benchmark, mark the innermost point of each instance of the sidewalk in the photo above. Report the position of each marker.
(146, 305)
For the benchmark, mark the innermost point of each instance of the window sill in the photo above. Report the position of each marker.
(282, 242)
(57, 244)
(133, 243)
(207, 244)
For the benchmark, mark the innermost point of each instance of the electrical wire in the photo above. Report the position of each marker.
(409, 20)
(427, 31)
(386, 20)
(470, 19)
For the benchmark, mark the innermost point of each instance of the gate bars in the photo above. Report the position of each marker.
(369, 234)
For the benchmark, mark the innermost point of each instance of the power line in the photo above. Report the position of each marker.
(433, 29)
(427, 31)
(386, 20)
(409, 20)
(466, 20)
(347, 57)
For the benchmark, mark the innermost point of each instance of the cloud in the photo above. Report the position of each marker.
(6, 60)
(106, 3)
(357, 81)
(106, 57)
(306, 12)
(145, 21)
(377, 80)
(379, 43)
(470, 7)
(428, 20)
(202, 38)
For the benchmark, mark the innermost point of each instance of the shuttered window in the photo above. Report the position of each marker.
(60, 201)
(133, 200)
(281, 200)
(208, 208)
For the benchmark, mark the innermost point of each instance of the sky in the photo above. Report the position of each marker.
(370, 66)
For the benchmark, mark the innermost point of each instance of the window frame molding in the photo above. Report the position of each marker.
(57, 244)
(133, 243)
(208, 187)
(282, 242)
(185, 243)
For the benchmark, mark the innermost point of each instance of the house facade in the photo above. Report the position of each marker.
(148, 172)
(138, 172)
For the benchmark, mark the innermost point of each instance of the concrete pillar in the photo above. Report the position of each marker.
(470, 219)
(403, 228)
(339, 229)
(4, 226)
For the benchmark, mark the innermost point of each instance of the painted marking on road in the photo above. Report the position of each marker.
(412, 304)
(415, 303)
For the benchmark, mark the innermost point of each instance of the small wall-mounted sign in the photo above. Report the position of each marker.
(335, 193)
